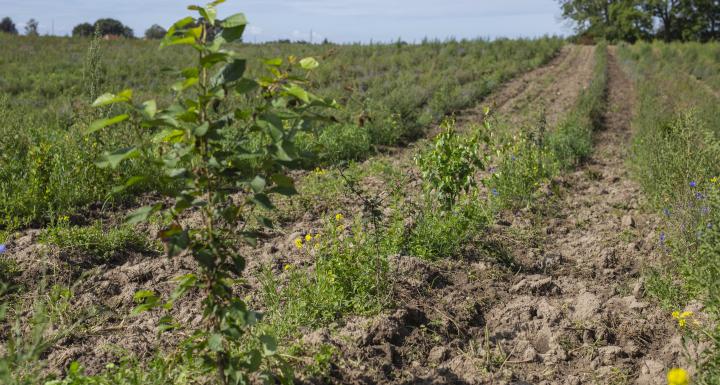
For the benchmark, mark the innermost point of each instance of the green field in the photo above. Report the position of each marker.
(506, 211)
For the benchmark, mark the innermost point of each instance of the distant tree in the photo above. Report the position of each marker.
(7, 26)
(609, 19)
(31, 28)
(83, 30)
(155, 32)
(669, 14)
(631, 20)
(113, 27)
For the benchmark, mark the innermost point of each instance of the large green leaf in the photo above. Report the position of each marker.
(233, 28)
(298, 92)
(309, 63)
(234, 21)
(231, 72)
(102, 123)
(148, 109)
(106, 99)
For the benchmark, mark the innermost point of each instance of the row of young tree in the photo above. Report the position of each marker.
(104, 27)
(632, 20)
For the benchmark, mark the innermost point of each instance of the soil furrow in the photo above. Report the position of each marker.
(582, 317)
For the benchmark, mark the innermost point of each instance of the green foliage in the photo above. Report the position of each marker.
(632, 20)
(7, 26)
(83, 30)
(31, 27)
(440, 234)
(47, 163)
(113, 27)
(571, 142)
(615, 20)
(94, 242)
(527, 160)
(524, 163)
(155, 32)
(350, 276)
(448, 168)
(32, 332)
(674, 157)
(190, 146)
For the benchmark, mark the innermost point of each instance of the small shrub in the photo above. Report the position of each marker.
(448, 168)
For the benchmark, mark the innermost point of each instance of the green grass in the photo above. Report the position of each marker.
(674, 157)
(94, 243)
(527, 160)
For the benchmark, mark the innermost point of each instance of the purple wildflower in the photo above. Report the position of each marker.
(3, 248)
(693, 184)
(705, 210)
(709, 225)
(495, 192)
(666, 211)
(662, 238)
(699, 196)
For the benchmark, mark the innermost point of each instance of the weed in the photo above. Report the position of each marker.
(94, 242)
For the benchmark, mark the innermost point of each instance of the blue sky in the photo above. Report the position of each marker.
(337, 20)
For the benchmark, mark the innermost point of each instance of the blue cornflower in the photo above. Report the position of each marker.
(3, 248)
(705, 210)
(666, 211)
(513, 157)
(693, 184)
(662, 238)
(495, 192)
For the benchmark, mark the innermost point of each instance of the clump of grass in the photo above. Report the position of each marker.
(349, 276)
(443, 233)
(95, 242)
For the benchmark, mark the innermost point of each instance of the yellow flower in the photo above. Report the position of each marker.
(678, 376)
(287, 267)
(714, 180)
(682, 317)
(299, 243)
(339, 217)
(308, 238)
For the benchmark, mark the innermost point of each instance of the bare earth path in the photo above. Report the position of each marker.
(582, 318)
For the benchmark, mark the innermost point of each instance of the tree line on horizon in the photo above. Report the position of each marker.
(633, 20)
(103, 27)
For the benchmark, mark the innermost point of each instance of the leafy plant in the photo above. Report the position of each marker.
(193, 145)
(448, 168)
(93, 241)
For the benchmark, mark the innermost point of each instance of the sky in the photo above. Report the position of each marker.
(337, 20)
